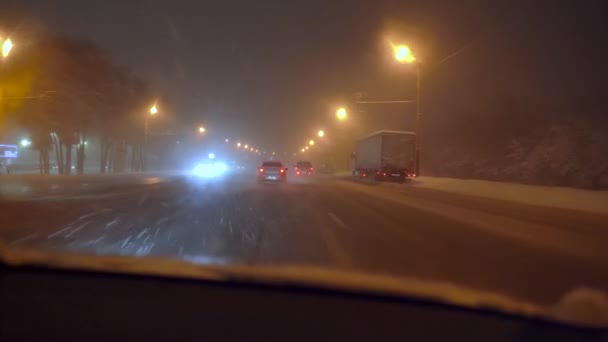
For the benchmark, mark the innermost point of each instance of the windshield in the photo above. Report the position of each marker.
(456, 143)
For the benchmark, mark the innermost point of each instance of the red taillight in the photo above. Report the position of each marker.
(384, 173)
(282, 170)
(297, 172)
(261, 170)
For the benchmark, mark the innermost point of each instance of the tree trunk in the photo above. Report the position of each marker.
(110, 159)
(102, 154)
(40, 162)
(44, 152)
(58, 152)
(68, 159)
(104, 157)
(80, 155)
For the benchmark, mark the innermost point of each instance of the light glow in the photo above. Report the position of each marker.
(209, 170)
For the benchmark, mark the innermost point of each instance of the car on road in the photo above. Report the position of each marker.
(304, 168)
(273, 171)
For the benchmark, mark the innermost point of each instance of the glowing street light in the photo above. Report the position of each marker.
(257, 151)
(303, 150)
(227, 140)
(246, 146)
(251, 149)
(403, 54)
(238, 145)
(25, 142)
(201, 129)
(153, 110)
(7, 46)
(311, 142)
(306, 147)
(321, 134)
(341, 113)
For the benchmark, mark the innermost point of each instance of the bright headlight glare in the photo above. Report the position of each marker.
(209, 170)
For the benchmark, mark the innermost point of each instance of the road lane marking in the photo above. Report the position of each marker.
(333, 246)
(111, 223)
(87, 215)
(142, 199)
(142, 233)
(25, 238)
(59, 232)
(337, 220)
(77, 229)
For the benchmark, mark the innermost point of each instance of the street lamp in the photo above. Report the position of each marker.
(153, 111)
(238, 145)
(303, 150)
(311, 142)
(227, 140)
(246, 146)
(7, 46)
(341, 113)
(201, 129)
(404, 55)
(306, 147)
(321, 134)
(25, 142)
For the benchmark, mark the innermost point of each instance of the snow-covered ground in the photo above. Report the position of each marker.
(560, 197)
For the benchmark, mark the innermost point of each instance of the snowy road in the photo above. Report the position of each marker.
(526, 252)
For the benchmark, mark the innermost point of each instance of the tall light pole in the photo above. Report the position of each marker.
(7, 46)
(153, 111)
(404, 55)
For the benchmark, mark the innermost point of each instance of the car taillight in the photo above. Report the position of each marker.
(282, 170)
(261, 170)
(297, 172)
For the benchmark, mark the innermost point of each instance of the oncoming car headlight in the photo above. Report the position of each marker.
(209, 170)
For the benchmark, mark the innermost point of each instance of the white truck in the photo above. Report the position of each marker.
(385, 156)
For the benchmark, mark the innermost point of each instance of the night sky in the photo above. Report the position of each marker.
(271, 72)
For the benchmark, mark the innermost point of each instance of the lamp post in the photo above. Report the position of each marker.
(153, 111)
(404, 55)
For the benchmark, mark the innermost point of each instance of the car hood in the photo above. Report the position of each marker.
(580, 307)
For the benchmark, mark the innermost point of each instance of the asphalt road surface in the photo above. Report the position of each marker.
(530, 253)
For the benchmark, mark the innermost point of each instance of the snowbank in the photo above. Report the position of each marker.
(560, 197)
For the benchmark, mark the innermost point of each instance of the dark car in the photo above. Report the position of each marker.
(304, 168)
(272, 171)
